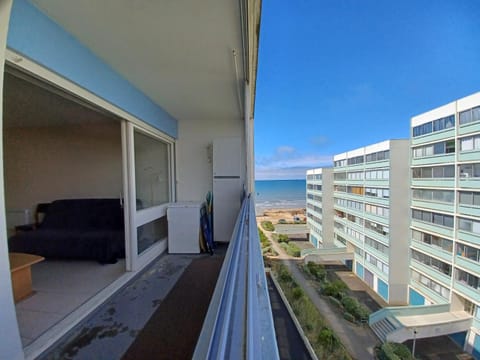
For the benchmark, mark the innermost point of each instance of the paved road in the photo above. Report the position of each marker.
(359, 341)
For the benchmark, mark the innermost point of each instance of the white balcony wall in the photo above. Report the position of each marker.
(194, 157)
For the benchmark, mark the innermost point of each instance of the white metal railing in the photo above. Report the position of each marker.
(239, 321)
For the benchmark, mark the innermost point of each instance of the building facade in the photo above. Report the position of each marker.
(370, 207)
(361, 205)
(445, 210)
(320, 207)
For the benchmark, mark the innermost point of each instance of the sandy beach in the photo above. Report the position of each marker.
(274, 215)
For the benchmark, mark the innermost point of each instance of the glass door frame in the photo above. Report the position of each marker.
(134, 218)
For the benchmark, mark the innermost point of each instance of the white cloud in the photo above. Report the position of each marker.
(285, 150)
(287, 163)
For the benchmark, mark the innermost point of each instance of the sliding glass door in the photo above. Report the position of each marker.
(150, 189)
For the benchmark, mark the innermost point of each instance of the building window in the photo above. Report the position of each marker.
(468, 252)
(377, 210)
(357, 190)
(355, 205)
(378, 228)
(470, 143)
(443, 147)
(378, 156)
(445, 196)
(376, 245)
(356, 175)
(314, 187)
(469, 225)
(379, 174)
(433, 126)
(377, 263)
(431, 217)
(354, 219)
(355, 160)
(340, 176)
(469, 170)
(469, 115)
(432, 262)
(340, 163)
(354, 234)
(469, 198)
(341, 239)
(432, 285)
(433, 240)
(467, 279)
(358, 251)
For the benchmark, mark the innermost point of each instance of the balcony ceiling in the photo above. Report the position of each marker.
(178, 52)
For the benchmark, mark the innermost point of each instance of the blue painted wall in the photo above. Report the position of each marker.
(37, 37)
(476, 347)
(349, 264)
(415, 298)
(314, 240)
(459, 338)
(382, 288)
(359, 270)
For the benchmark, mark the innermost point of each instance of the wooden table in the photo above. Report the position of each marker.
(20, 268)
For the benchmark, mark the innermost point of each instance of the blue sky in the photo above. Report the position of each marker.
(341, 74)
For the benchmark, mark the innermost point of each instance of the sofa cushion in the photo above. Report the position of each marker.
(84, 214)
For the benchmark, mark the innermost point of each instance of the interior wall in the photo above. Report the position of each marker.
(194, 165)
(48, 163)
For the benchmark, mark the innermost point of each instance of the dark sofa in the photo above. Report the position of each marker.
(76, 229)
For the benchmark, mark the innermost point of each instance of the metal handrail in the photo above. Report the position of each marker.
(239, 321)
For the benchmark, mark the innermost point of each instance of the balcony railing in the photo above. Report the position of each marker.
(239, 322)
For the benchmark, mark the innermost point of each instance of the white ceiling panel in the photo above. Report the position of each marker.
(178, 52)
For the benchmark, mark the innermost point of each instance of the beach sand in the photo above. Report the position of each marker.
(274, 215)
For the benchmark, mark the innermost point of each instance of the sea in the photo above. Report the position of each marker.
(279, 194)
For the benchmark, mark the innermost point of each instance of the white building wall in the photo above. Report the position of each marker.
(327, 206)
(399, 222)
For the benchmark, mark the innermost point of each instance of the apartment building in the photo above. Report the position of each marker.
(320, 207)
(445, 211)
(370, 214)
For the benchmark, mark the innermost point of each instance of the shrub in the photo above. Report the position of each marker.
(284, 274)
(394, 351)
(335, 301)
(349, 317)
(262, 235)
(283, 238)
(335, 289)
(316, 270)
(297, 293)
(310, 319)
(351, 305)
(327, 339)
(268, 226)
(402, 351)
(294, 250)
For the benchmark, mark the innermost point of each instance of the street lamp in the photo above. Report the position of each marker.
(414, 341)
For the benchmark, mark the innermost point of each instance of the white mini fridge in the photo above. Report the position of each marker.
(184, 227)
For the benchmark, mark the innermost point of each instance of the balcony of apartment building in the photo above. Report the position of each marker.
(126, 104)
